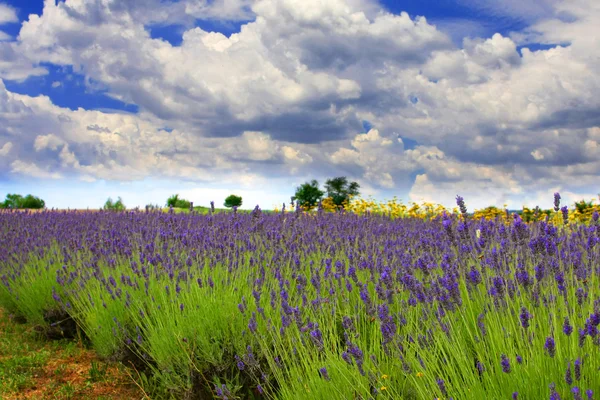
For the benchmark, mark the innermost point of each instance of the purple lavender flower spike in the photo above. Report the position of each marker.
(567, 327)
(577, 369)
(569, 375)
(505, 364)
(550, 346)
(525, 316)
(324, 373)
(442, 386)
(556, 201)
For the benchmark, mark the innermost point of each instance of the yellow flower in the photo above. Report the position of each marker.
(383, 388)
(419, 374)
(384, 376)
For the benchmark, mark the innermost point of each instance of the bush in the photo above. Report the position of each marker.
(233, 201)
(114, 206)
(175, 202)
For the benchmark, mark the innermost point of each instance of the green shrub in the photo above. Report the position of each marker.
(175, 202)
(111, 205)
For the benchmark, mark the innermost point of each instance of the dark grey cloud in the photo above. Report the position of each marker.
(326, 50)
(297, 127)
(571, 118)
(97, 128)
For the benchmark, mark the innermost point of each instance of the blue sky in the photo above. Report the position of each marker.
(142, 99)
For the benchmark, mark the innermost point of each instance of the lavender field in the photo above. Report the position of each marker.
(317, 305)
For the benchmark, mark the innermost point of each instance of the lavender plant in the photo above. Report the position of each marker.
(319, 305)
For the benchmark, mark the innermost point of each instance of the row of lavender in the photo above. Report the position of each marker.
(320, 306)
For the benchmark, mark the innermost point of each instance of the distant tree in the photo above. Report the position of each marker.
(16, 201)
(172, 201)
(176, 202)
(340, 190)
(308, 195)
(111, 205)
(31, 201)
(233, 201)
(13, 201)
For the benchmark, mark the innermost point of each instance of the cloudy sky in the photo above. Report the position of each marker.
(421, 99)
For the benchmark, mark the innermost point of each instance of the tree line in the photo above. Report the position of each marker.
(308, 195)
(338, 191)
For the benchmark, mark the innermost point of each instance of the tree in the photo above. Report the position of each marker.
(340, 190)
(33, 202)
(233, 201)
(114, 206)
(13, 201)
(16, 201)
(176, 202)
(172, 201)
(308, 194)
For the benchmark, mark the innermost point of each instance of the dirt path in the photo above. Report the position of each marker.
(34, 368)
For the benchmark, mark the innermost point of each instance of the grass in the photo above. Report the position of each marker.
(32, 367)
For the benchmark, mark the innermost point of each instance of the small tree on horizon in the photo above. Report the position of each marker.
(308, 195)
(175, 202)
(111, 205)
(340, 190)
(233, 201)
(172, 201)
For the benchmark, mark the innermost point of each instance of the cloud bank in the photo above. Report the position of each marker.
(285, 99)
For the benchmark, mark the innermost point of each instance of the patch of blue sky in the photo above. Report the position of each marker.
(23, 8)
(366, 126)
(169, 33)
(538, 46)
(457, 19)
(68, 89)
(414, 174)
(409, 144)
(174, 33)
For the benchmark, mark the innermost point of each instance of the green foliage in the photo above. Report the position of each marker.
(340, 190)
(16, 201)
(582, 206)
(22, 356)
(172, 201)
(98, 372)
(308, 194)
(111, 205)
(34, 202)
(175, 202)
(233, 201)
